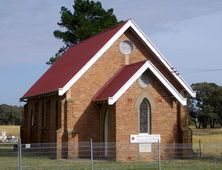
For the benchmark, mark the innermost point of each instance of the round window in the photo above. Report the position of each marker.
(126, 47)
(143, 80)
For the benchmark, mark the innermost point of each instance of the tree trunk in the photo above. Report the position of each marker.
(212, 123)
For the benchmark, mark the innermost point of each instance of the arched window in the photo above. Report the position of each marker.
(145, 118)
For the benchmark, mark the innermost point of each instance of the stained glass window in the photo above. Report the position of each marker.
(144, 117)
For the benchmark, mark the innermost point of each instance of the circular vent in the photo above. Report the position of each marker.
(126, 47)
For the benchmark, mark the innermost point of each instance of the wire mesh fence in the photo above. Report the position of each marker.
(108, 156)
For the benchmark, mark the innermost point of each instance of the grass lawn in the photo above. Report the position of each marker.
(40, 163)
(211, 147)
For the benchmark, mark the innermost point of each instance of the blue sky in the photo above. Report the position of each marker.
(187, 33)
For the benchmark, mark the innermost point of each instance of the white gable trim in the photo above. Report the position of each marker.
(158, 74)
(162, 59)
(94, 59)
(128, 24)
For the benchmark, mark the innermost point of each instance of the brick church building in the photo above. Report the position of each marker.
(107, 87)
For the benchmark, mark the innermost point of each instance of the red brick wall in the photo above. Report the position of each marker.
(25, 134)
(163, 114)
(88, 85)
(40, 132)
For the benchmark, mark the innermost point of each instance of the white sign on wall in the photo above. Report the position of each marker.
(145, 147)
(145, 138)
(27, 146)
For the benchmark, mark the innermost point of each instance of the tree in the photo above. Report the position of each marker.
(206, 108)
(10, 115)
(87, 19)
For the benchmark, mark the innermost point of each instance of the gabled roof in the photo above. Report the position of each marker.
(126, 76)
(79, 58)
(72, 64)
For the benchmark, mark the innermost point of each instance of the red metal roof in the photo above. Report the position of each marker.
(117, 81)
(70, 63)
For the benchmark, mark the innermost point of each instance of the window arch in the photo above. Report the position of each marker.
(145, 117)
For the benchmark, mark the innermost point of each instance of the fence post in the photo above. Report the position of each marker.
(91, 144)
(159, 164)
(215, 161)
(200, 148)
(18, 154)
(19, 146)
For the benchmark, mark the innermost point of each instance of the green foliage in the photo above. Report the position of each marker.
(88, 18)
(10, 115)
(206, 108)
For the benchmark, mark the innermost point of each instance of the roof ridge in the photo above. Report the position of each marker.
(106, 30)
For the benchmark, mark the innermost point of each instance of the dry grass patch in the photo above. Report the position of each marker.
(209, 141)
(11, 130)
